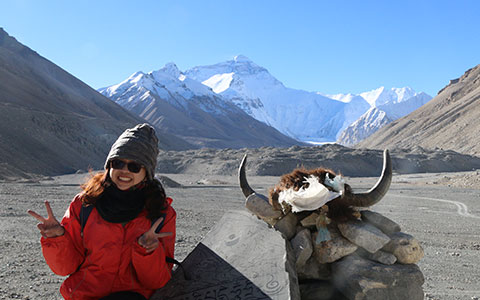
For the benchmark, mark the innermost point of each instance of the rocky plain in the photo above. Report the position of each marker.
(434, 196)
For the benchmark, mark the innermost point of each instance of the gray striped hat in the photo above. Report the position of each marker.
(139, 144)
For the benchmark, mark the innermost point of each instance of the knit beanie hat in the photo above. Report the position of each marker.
(139, 144)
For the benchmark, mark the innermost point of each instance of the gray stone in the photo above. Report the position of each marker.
(379, 256)
(310, 221)
(302, 247)
(359, 278)
(240, 258)
(380, 221)
(287, 225)
(260, 207)
(364, 235)
(319, 290)
(334, 249)
(312, 269)
(299, 228)
(405, 247)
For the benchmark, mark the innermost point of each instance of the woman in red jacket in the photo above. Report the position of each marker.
(120, 253)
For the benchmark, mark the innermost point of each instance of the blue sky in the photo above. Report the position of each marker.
(326, 46)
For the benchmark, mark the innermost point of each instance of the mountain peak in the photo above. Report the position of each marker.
(169, 73)
(11, 43)
(404, 93)
(172, 69)
(242, 64)
(383, 95)
(241, 58)
(135, 76)
(4, 35)
(237, 70)
(2, 31)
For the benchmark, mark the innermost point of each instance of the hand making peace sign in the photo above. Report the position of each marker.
(149, 240)
(48, 227)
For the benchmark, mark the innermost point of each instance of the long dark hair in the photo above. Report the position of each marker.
(155, 197)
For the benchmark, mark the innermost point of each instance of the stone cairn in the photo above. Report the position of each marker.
(368, 257)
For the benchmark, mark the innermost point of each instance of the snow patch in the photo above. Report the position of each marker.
(219, 82)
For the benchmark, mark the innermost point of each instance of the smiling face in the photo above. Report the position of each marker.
(123, 178)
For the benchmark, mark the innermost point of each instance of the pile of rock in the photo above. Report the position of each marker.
(366, 258)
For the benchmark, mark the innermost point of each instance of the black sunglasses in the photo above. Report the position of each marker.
(132, 166)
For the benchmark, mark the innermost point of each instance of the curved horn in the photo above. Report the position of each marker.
(246, 189)
(376, 193)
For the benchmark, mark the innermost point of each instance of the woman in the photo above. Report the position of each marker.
(120, 251)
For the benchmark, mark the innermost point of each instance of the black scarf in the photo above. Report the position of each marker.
(117, 206)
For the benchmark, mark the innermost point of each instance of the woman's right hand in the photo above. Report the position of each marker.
(48, 227)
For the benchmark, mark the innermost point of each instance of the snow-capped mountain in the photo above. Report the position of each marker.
(239, 83)
(189, 109)
(386, 106)
(366, 125)
(396, 102)
(138, 91)
(306, 116)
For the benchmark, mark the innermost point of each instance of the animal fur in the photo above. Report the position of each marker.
(338, 209)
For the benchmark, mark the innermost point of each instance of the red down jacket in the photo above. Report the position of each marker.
(108, 258)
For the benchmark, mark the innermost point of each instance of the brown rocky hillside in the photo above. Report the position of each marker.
(50, 122)
(449, 121)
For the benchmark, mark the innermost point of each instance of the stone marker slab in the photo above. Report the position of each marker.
(240, 258)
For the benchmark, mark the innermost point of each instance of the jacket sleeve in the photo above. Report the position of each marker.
(151, 268)
(64, 254)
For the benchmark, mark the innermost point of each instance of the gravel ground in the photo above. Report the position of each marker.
(441, 210)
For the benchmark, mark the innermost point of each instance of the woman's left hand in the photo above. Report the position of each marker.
(149, 240)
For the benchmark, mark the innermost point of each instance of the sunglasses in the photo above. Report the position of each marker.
(131, 166)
